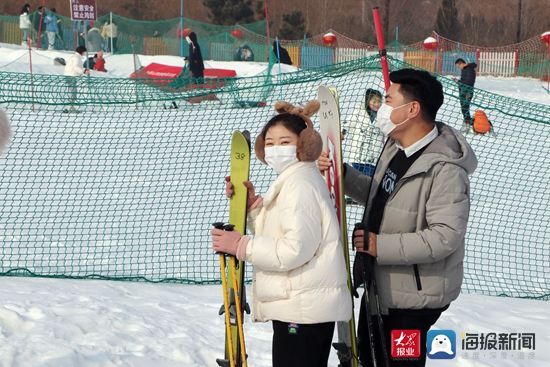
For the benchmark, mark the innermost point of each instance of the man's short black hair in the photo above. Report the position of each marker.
(422, 87)
(81, 50)
(460, 61)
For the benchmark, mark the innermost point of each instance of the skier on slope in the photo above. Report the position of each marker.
(300, 278)
(417, 207)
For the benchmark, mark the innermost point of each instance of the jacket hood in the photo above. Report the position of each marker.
(450, 146)
(471, 65)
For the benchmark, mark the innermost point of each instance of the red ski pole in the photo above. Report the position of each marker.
(381, 47)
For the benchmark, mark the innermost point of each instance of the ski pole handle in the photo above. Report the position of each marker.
(218, 225)
(356, 227)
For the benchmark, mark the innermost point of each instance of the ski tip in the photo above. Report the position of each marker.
(246, 135)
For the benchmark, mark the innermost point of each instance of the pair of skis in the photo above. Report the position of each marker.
(232, 270)
(346, 346)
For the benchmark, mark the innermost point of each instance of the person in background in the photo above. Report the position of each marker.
(39, 25)
(195, 61)
(300, 278)
(363, 140)
(416, 214)
(281, 54)
(25, 24)
(52, 28)
(74, 70)
(94, 39)
(99, 62)
(89, 63)
(466, 90)
(109, 32)
(5, 130)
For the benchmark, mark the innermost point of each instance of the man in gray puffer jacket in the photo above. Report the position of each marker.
(416, 211)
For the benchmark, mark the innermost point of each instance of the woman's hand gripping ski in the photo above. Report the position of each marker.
(228, 241)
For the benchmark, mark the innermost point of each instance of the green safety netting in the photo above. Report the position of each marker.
(158, 37)
(125, 187)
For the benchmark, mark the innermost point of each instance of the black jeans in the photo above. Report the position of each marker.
(466, 93)
(307, 345)
(396, 319)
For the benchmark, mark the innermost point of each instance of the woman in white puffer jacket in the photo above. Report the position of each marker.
(300, 279)
(25, 23)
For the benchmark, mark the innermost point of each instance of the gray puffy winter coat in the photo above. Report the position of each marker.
(420, 247)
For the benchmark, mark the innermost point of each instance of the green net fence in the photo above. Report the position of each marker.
(124, 187)
(159, 37)
(248, 42)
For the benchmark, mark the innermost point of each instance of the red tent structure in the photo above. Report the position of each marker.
(162, 75)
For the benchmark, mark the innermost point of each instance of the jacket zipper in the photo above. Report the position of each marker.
(417, 277)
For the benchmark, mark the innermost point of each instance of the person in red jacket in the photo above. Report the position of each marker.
(99, 62)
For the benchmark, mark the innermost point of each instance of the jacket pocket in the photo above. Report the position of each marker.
(417, 278)
(271, 286)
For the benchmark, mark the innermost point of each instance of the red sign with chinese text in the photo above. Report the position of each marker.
(405, 344)
(83, 10)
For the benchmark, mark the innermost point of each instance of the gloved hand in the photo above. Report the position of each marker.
(225, 241)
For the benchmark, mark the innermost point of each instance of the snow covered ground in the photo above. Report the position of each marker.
(59, 322)
(52, 323)
(15, 58)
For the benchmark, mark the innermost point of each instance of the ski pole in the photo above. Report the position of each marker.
(237, 295)
(381, 329)
(366, 280)
(223, 274)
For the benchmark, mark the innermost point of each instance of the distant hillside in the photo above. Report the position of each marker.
(486, 22)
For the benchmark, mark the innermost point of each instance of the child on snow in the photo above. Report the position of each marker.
(363, 140)
(299, 268)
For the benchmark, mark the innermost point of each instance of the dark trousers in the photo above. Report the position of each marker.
(396, 319)
(308, 345)
(466, 93)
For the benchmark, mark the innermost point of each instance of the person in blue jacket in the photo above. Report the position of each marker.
(51, 20)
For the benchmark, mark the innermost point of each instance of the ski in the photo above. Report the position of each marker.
(232, 270)
(329, 121)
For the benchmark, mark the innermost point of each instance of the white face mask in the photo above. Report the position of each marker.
(383, 118)
(280, 157)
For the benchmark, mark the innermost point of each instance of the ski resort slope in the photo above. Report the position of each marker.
(15, 58)
(60, 322)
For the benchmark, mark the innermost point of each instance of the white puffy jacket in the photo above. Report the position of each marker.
(24, 21)
(299, 267)
(74, 65)
(364, 141)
